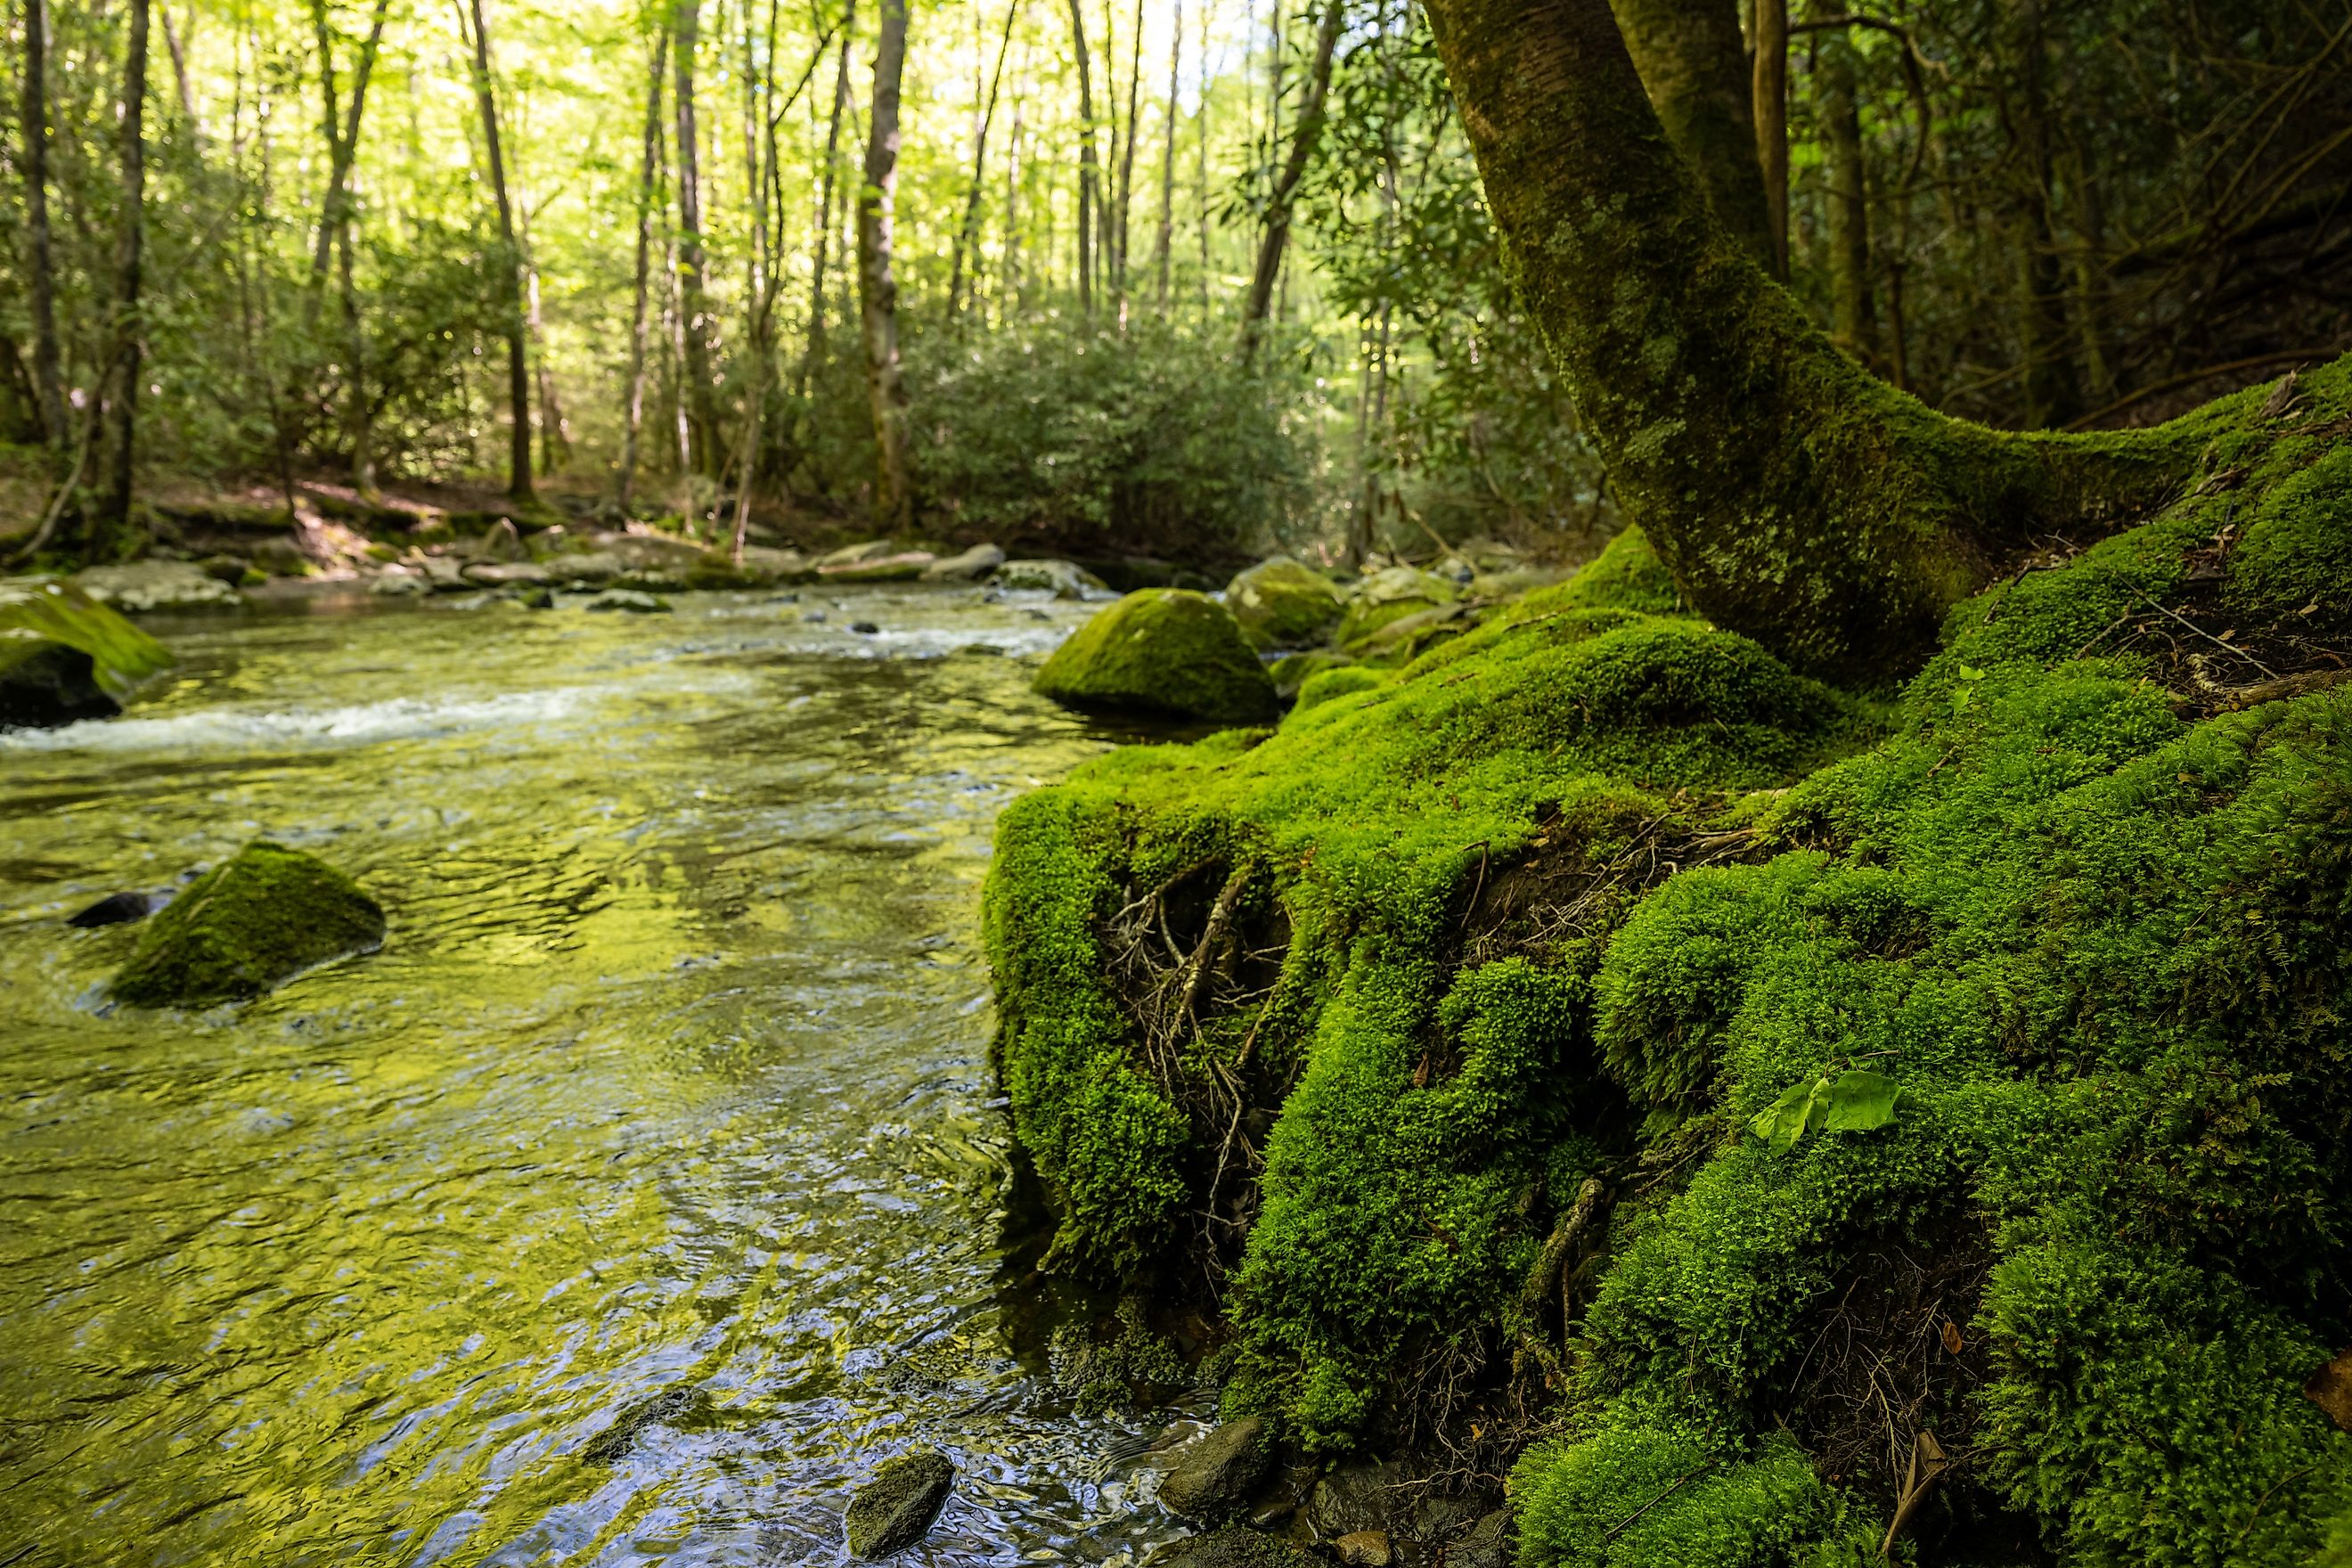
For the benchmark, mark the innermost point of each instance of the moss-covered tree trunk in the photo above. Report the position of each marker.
(1692, 60)
(1794, 497)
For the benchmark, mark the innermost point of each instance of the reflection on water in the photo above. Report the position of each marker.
(673, 1078)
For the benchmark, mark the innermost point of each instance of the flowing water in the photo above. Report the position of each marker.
(648, 1188)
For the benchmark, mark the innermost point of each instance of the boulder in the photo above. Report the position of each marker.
(1293, 670)
(765, 565)
(508, 574)
(443, 574)
(252, 922)
(1063, 579)
(591, 570)
(895, 1509)
(114, 909)
(856, 554)
(1215, 1478)
(400, 582)
(630, 601)
(1487, 1544)
(1163, 651)
(1390, 595)
(1362, 1549)
(64, 655)
(969, 566)
(903, 567)
(1232, 1547)
(1409, 635)
(1353, 1498)
(157, 585)
(1283, 605)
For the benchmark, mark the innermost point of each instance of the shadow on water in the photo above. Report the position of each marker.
(651, 1185)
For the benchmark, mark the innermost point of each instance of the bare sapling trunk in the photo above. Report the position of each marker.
(510, 268)
(967, 239)
(1086, 167)
(1127, 156)
(172, 42)
(128, 255)
(701, 405)
(820, 264)
(1274, 233)
(343, 144)
(893, 499)
(1772, 91)
(1794, 497)
(41, 285)
(1693, 62)
(1164, 242)
(1854, 323)
(633, 409)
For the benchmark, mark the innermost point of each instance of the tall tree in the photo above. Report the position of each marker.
(820, 263)
(1163, 241)
(130, 329)
(968, 233)
(1087, 166)
(1793, 496)
(1274, 231)
(1853, 322)
(694, 307)
(1127, 155)
(509, 266)
(1693, 64)
(40, 268)
(1771, 92)
(633, 408)
(894, 495)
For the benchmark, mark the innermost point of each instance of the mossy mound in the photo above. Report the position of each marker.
(1283, 605)
(1458, 1007)
(120, 654)
(248, 925)
(1163, 651)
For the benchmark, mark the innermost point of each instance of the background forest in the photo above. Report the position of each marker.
(1198, 276)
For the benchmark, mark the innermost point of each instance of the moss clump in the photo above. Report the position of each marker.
(1555, 909)
(1283, 605)
(246, 926)
(1293, 671)
(1166, 651)
(1336, 680)
(120, 654)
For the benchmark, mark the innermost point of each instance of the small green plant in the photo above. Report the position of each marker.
(1853, 1101)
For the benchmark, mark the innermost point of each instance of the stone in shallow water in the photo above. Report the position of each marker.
(895, 1509)
(1214, 1479)
(670, 1408)
(1232, 1547)
(629, 599)
(44, 684)
(113, 910)
(250, 924)
(1165, 651)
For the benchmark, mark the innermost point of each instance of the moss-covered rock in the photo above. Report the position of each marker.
(1507, 957)
(65, 657)
(1282, 605)
(246, 926)
(1387, 596)
(1292, 671)
(895, 1509)
(1165, 651)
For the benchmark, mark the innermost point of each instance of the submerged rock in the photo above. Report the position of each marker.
(1063, 579)
(1163, 651)
(970, 566)
(254, 921)
(157, 585)
(670, 1408)
(1214, 1480)
(1283, 605)
(629, 600)
(895, 1509)
(1232, 1547)
(64, 655)
(114, 909)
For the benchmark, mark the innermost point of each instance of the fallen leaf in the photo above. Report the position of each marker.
(1952, 1339)
(2330, 1388)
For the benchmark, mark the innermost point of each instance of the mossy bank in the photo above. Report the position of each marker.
(1437, 1027)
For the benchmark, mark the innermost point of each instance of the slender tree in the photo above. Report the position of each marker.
(633, 409)
(894, 499)
(1274, 231)
(1163, 241)
(130, 329)
(509, 266)
(340, 125)
(968, 235)
(1086, 166)
(1127, 154)
(1771, 93)
(40, 268)
(694, 308)
(819, 265)
(1852, 320)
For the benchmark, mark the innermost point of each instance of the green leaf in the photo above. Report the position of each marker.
(1858, 1101)
(1782, 1122)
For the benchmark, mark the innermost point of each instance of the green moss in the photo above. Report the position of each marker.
(1281, 604)
(1387, 597)
(1336, 680)
(248, 925)
(2295, 553)
(1161, 650)
(1626, 575)
(119, 652)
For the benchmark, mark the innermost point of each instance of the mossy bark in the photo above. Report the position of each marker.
(1793, 496)
(1692, 60)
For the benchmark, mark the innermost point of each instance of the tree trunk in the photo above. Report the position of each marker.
(1163, 243)
(893, 499)
(509, 270)
(180, 75)
(342, 146)
(967, 237)
(1276, 234)
(2053, 393)
(1693, 64)
(634, 407)
(48, 376)
(1087, 168)
(1854, 323)
(701, 408)
(1771, 92)
(1794, 497)
(1127, 156)
(814, 352)
(129, 331)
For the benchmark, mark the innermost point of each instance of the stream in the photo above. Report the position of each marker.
(671, 1085)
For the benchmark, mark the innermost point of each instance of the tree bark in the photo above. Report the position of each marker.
(1163, 243)
(1693, 64)
(1275, 232)
(180, 75)
(967, 237)
(701, 407)
(634, 406)
(342, 146)
(1854, 321)
(1086, 167)
(2053, 394)
(1794, 497)
(48, 374)
(893, 499)
(814, 352)
(519, 484)
(1771, 92)
(1126, 159)
(130, 251)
